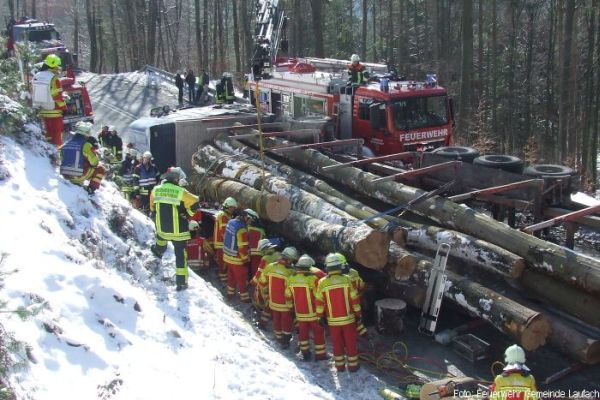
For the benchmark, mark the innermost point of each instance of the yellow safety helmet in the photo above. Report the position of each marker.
(52, 61)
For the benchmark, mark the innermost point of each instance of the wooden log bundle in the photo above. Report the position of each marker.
(569, 266)
(360, 243)
(271, 207)
(464, 247)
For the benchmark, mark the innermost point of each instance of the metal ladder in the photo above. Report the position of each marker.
(435, 291)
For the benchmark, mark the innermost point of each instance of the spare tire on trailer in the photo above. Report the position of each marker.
(501, 161)
(548, 170)
(463, 153)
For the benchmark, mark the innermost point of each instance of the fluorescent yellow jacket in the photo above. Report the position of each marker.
(172, 204)
(514, 386)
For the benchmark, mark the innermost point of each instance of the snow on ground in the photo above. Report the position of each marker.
(108, 324)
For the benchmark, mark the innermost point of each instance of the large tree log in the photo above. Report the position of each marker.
(564, 264)
(570, 341)
(360, 243)
(271, 207)
(566, 298)
(530, 328)
(467, 248)
(216, 162)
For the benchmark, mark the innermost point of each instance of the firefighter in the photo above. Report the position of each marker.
(46, 83)
(190, 79)
(80, 162)
(203, 79)
(179, 84)
(357, 74)
(219, 93)
(269, 254)
(236, 255)
(338, 307)
(256, 232)
(115, 145)
(126, 173)
(301, 293)
(221, 220)
(172, 205)
(359, 286)
(145, 177)
(227, 82)
(274, 280)
(103, 137)
(515, 382)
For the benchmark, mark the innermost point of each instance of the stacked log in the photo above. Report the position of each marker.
(561, 263)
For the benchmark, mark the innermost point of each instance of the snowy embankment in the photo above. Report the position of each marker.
(106, 322)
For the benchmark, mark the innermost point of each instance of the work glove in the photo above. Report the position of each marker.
(323, 321)
(193, 225)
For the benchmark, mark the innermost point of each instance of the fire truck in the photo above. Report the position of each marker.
(46, 39)
(390, 113)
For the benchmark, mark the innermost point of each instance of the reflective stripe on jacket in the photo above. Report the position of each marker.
(221, 220)
(337, 300)
(235, 243)
(264, 261)
(72, 156)
(255, 233)
(300, 292)
(274, 277)
(514, 386)
(59, 103)
(357, 282)
(171, 204)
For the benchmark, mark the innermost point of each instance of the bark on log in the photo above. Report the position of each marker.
(573, 343)
(566, 298)
(361, 244)
(210, 158)
(467, 248)
(271, 207)
(530, 328)
(564, 264)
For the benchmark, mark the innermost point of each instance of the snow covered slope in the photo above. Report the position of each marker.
(106, 324)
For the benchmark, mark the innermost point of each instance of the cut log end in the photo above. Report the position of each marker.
(535, 332)
(399, 237)
(517, 268)
(277, 208)
(402, 266)
(372, 250)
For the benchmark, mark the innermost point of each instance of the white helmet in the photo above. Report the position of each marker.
(147, 154)
(305, 262)
(290, 253)
(252, 214)
(83, 127)
(355, 58)
(132, 152)
(112, 128)
(514, 355)
(229, 202)
(264, 244)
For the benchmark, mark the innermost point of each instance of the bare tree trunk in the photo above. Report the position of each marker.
(151, 25)
(564, 83)
(531, 15)
(205, 60)
(480, 76)
(317, 20)
(219, 45)
(113, 29)
(100, 45)
(91, 23)
(247, 35)
(11, 8)
(376, 39)
(236, 36)
(33, 9)
(363, 34)
(548, 145)
(467, 67)
(76, 28)
(198, 30)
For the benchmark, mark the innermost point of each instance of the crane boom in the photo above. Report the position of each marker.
(269, 35)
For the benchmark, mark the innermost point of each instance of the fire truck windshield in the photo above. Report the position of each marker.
(419, 112)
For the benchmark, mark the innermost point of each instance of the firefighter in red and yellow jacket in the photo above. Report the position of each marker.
(255, 234)
(338, 306)
(358, 284)
(274, 279)
(300, 293)
(516, 381)
(269, 255)
(236, 255)
(53, 118)
(221, 220)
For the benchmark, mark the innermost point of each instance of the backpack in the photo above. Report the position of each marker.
(41, 96)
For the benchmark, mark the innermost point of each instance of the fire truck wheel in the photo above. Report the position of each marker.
(466, 154)
(501, 161)
(552, 170)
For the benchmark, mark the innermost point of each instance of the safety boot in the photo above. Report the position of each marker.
(285, 341)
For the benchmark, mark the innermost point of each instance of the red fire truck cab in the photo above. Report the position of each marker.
(391, 114)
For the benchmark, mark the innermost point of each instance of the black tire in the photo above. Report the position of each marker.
(466, 154)
(551, 170)
(501, 161)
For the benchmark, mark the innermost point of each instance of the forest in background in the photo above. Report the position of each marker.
(525, 74)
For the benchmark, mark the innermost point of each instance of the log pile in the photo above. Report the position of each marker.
(325, 217)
